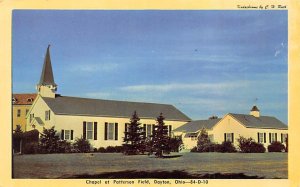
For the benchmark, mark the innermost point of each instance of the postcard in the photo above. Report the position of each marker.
(138, 93)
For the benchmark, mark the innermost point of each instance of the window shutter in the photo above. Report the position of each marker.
(105, 130)
(270, 137)
(265, 138)
(49, 115)
(232, 135)
(116, 131)
(62, 134)
(71, 134)
(281, 138)
(95, 130)
(170, 130)
(126, 124)
(275, 137)
(258, 137)
(144, 130)
(153, 128)
(84, 130)
(224, 137)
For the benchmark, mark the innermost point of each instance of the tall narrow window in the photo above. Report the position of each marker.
(149, 130)
(67, 134)
(283, 137)
(47, 115)
(89, 130)
(272, 137)
(260, 137)
(19, 113)
(27, 110)
(228, 137)
(111, 130)
(31, 117)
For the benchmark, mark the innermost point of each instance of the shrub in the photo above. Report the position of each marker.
(31, 148)
(225, 147)
(174, 144)
(276, 147)
(82, 145)
(250, 146)
(101, 150)
(194, 149)
(111, 149)
(64, 146)
(203, 143)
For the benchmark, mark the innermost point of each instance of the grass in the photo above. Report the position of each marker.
(115, 165)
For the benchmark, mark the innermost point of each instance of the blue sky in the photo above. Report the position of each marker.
(203, 62)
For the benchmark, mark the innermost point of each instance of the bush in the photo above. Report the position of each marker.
(101, 150)
(81, 145)
(31, 148)
(111, 149)
(276, 147)
(174, 144)
(225, 147)
(250, 146)
(64, 147)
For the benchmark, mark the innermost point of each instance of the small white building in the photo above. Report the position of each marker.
(263, 129)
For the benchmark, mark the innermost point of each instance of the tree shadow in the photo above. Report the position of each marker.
(157, 174)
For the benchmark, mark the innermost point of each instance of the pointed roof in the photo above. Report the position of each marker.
(254, 108)
(47, 74)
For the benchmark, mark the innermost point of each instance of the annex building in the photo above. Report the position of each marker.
(102, 122)
(263, 129)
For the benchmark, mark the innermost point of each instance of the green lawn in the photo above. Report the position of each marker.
(114, 165)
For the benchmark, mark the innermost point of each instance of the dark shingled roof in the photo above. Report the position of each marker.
(47, 74)
(197, 125)
(98, 107)
(254, 108)
(259, 122)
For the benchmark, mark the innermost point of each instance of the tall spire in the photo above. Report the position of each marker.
(47, 73)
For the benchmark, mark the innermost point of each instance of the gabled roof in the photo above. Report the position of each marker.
(197, 125)
(47, 73)
(259, 122)
(23, 99)
(98, 107)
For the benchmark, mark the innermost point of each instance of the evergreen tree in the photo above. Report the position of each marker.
(160, 137)
(49, 141)
(134, 136)
(203, 142)
(17, 139)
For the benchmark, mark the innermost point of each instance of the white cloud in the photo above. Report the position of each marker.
(98, 95)
(100, 67)
(207, 87)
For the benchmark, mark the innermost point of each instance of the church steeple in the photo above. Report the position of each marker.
(47, 87)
